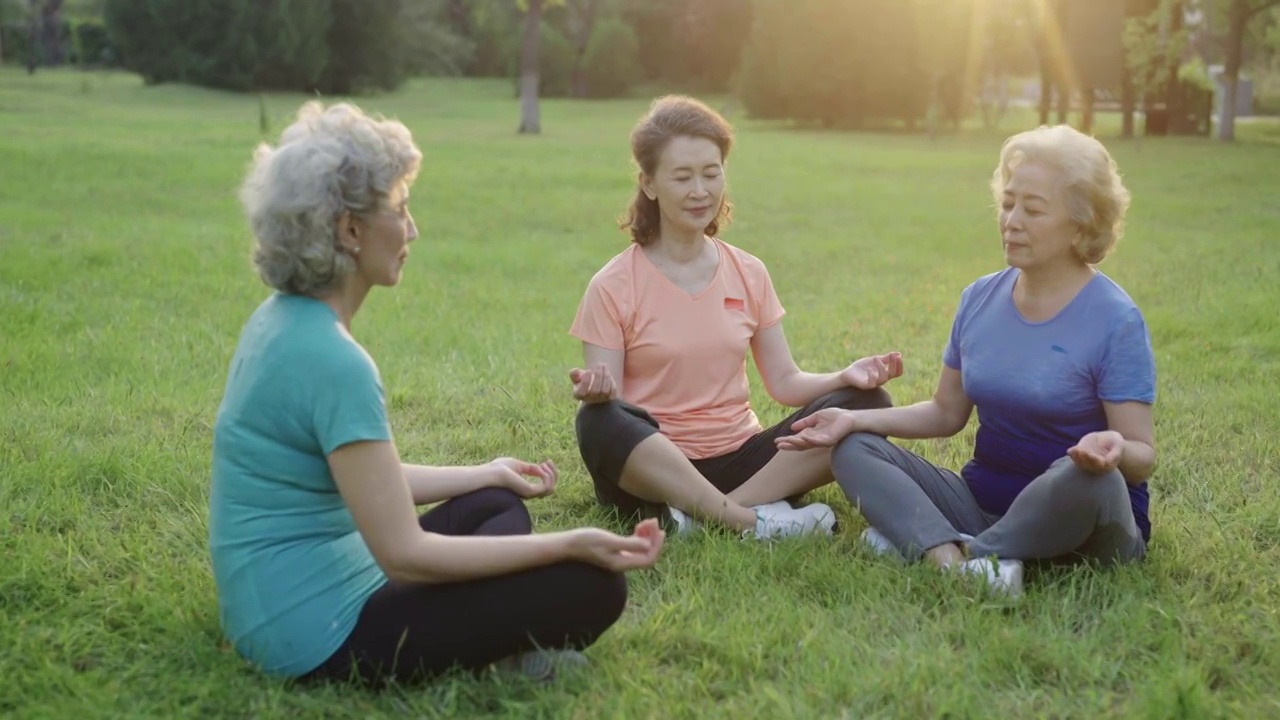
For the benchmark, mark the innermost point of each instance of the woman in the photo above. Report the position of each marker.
(1058, 361)
(323, 569)
(666, 421)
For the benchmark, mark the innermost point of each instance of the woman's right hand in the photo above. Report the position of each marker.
(593, 386)
(615, 552)
(823, 428)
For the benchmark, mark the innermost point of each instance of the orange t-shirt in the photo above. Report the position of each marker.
(685, 355)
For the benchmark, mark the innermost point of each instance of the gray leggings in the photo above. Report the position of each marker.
(916, 505)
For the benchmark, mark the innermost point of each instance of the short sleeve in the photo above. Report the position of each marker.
(1128, 367)
(349, 404)
(951, 353)
(599, 318)
(769, 310)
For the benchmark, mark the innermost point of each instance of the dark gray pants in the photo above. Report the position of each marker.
(917, 506)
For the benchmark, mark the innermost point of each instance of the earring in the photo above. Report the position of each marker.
(355, 250)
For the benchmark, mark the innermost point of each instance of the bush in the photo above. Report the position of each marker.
(612, 60)
(15, 42)
(837, 62)
(435, 48)
(367, 47)
(495, 31)
(91, 44)
(694, 45)
(330, 46)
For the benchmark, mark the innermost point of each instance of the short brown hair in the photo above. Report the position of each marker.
(672, 116)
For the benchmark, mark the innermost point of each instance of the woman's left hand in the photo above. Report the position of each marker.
(871, 372)
(526, 479)
(1098, 452)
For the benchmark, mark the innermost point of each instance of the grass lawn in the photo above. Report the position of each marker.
(124, 281)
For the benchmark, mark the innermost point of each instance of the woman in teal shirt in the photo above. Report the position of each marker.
(323, 567)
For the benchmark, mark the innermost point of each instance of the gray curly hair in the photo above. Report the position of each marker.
(327, 161)
(1096, 196)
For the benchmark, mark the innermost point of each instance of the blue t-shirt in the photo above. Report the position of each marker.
(292, 572)
(1039, 387)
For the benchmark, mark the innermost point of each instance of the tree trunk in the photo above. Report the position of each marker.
(1128, 99)
(585, 22)
(1086, 101)
(1173, 94)
(1231, 69)
(35, 39)
(530, 119)
(1046, 88)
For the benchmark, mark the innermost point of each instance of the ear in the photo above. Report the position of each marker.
(348, 232)
(646, 186)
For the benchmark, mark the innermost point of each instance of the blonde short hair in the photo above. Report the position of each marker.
(327, 161)
(1096, 197)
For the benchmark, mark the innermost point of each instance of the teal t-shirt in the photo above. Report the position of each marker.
(292, 572)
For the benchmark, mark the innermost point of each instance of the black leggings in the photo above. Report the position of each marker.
(411, 631)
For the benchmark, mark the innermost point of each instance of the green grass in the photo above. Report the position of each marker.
(124, 280)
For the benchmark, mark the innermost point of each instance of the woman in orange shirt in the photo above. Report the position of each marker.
(666, 425)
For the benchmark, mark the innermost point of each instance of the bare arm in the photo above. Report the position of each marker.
(943, 415)
(783, 379)
(429, 484)
(372, 483)
(1127, 445)
(1133, 420)
(601, 379)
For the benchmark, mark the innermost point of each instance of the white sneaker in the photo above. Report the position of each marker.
(880, 544)
(780, 520)
(823, 514)
(684, 523)
(1004, 576)
(541, 665)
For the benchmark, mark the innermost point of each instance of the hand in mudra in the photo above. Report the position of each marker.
(593, 386)
(869, 373)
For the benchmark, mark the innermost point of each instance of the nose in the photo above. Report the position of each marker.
(413, 230)
(1011, 220)
(699, 187)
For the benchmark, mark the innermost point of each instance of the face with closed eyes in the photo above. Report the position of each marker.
(688, 183)
(1036, 227)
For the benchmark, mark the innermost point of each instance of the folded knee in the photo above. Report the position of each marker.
(857, 445)
(594, 420)
(1074, 484)
(603, 593)
(498, 497)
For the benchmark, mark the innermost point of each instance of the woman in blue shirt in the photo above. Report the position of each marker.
(323, 567)
(1057, 360)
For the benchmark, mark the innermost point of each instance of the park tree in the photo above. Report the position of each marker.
(1240, 16)
(696, 45)
(838, 63)
(530, 41)
(1155, 39)
(11, 11)
(1005, 32)
(441, 44)
(333, 46)
(583, 15)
